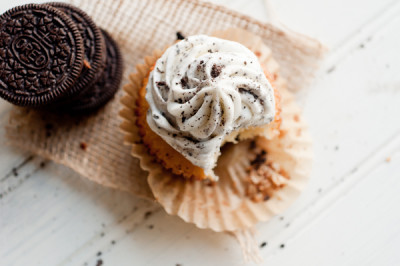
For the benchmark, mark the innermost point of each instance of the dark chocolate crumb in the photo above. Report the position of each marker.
(42, 164)
(14, 171)
(98, 254)
(282, 246)
(178, 264)
(184, 81)
(260, 159)
(99, 262)
(83, 146)
(179, 36)
(263, 244)
(112, 242)
(150, 226)
(102, 234)
(215, 71)
(281, 218)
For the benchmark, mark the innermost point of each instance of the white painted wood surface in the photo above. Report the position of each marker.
(348, 215)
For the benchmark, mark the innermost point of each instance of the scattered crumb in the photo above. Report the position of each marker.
(296, 117)
(388, 159)
(178, 264)
(83, 146)
(282, 246)
(287, 225)
(98, 254)
(263, 244)
(319, 190)
(281, 218)
(14, 171)
(99, 262)
(179, 36)
(113, 242)
(42, 164)
(361, 46)
(354, 170)
(336, 147)
(331, 69)
(257, 53)
(260, 159)
(102, 234)
(150, 226)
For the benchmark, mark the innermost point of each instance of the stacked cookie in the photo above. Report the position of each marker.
(53, 56)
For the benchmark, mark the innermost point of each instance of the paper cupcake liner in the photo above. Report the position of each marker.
(226, 205)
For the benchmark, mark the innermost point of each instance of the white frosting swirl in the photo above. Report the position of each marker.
(202, 89)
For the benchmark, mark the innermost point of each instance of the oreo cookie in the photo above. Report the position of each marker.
(94, 46)
(42, 55)
(108, 83)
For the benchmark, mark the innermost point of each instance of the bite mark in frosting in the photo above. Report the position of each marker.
(202, 89)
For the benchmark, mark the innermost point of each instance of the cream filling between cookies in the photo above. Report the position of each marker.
(201, 90)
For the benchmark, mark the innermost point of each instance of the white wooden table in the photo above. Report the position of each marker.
(348, 215)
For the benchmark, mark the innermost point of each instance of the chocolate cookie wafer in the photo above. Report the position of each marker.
(41, 53)
(93, 42)
(108, 83)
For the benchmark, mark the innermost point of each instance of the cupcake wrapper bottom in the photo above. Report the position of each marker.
(226, 205)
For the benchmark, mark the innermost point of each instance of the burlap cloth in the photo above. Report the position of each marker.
(93, 145)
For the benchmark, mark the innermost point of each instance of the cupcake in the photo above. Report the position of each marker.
(202, 93)
(221, 137)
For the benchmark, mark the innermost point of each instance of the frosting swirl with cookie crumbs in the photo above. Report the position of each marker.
(203, 88)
